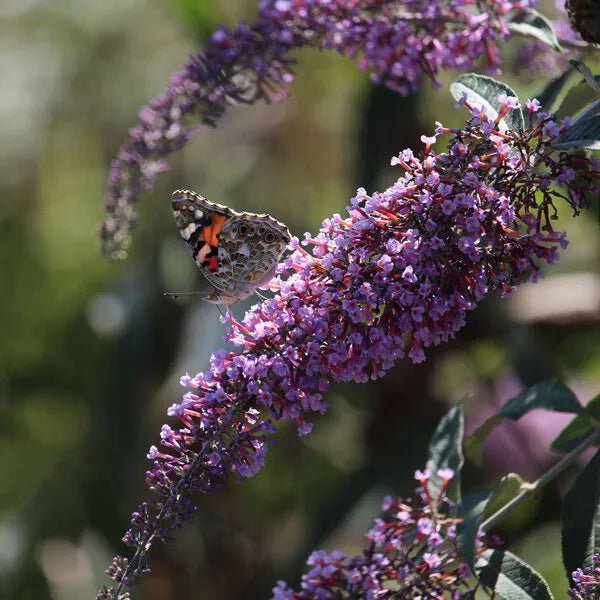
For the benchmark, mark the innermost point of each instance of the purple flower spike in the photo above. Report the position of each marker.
(396, 41)
(377, 286)
(403, 559)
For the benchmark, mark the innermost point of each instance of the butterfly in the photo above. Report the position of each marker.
(236, 252)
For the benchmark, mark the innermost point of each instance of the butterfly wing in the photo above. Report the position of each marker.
(236, 252)
(250, 248)
(200, 223)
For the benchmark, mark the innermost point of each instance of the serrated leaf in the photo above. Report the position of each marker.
(484, 91)
(510, 577)
(581, 517)
(531, 23)
(445, 451)
(552, 96)
(550, 394)
(582, 134)
(587, 74)
(506, 489)
(471, 511)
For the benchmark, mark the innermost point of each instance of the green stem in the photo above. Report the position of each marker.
(528, 489)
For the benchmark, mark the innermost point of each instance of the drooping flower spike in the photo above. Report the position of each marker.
(396, 41)
(394, 276)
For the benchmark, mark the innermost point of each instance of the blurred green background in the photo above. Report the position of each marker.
(91, 352)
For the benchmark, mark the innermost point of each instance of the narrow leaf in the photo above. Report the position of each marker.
(552, 96)
(510, 577)
(471, 512)
(476, 440)
(587, 74)
(445, 451)
(582, 134)
(508, 487)
(572, 434)
(592, 408)
(581, 518)
(484, 91)
(579, 427)
(551, 394)
(531, 23)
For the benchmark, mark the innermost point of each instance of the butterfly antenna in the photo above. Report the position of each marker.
(174, 295)
(261, 296)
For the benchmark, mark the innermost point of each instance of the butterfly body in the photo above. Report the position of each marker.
(236, 252)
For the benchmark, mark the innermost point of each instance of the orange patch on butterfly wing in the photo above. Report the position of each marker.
(210, 232)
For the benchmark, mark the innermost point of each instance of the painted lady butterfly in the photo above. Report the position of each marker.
(236, 252)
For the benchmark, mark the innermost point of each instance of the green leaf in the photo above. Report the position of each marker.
(445, 451)
(582, 134)
(531, 23)
(510, 577)
(483, 91)
(508, 487)
(592, 408)
(581, 518)
(551, 395)
(471, 512)
(587, 74)
(552, 96)
(579, 427)
(475, 441)
(572, 434)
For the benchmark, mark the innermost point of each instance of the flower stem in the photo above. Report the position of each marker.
(528, 489)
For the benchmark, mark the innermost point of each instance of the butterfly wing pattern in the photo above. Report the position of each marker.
(236, 252)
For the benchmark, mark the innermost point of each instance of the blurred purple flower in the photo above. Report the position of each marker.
(403, 559)
(341, 313)
(586, 582)
(397, 42)
(536, 59)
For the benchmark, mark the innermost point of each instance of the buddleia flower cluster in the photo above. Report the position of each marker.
(586, 582)
(398, 42)
(392, 277)
(411, 553)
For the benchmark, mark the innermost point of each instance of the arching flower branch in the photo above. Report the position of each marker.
(394, 276)
(397, 42)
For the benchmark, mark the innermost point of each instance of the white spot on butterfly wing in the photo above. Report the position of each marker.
(187, 232)
(204, 251)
